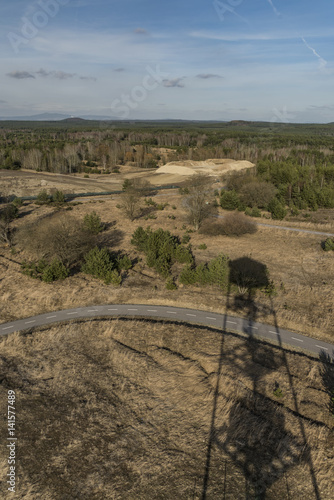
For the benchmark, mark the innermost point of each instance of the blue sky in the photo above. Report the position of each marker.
(142, 59)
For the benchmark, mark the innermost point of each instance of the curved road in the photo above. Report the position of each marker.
(210, 319)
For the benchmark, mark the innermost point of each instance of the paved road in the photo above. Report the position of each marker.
(229, 323)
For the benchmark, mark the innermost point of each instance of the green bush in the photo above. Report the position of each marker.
(99, 263)
(92, 223)
(9, 212)
(229, 200)
(185, 239)
(276, 209)
(54, 271)
(215, 272)
(42, 197)
(58, 197)
(124, 263)
(253, 212)
(328, 245)
(170, 285)
(161, 249)
(17, 202)
(202, 246)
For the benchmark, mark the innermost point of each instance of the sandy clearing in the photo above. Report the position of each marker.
(213, 167)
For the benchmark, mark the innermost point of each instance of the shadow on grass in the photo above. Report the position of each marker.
(255, 439)
(327, 373)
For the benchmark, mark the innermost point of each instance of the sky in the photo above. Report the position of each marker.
(222, 60)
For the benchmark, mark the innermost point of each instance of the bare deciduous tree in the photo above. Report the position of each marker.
(59, 236)
(133, 191)
(199, 200)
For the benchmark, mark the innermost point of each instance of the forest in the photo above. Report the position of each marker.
(293, 162)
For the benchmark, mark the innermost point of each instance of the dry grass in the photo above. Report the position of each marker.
(297, 264)
(122, 410)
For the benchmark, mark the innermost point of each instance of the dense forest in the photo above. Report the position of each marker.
(295, 160)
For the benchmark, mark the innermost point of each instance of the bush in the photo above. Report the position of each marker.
(9, 212)
(328, 245)
(229, 200)
(253, 212)
(276, 209)
(48, 273)
(235, 224)
(17, 202)
(170, 285)
(161, 249)
(42, 197)
(185, 239)
(124, 263)
(202, 246)
(58, 197)
(99, 263)
(55, 271)
(92, 223)
(214, 272)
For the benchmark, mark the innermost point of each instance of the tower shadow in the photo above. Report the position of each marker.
(255, 439)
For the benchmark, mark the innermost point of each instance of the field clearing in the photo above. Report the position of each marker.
(300, 269)
(151, 410)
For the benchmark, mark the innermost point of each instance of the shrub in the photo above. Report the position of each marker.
(42, 197)
(9, 212)
(56, 270)
(148, 202)
(58, 197)
(170, 285)
(17, 202)
(92, 223)
(234, 224)
(253, 212)
(276, 209)
(328, 245)
(202, 246)
(161, 249)
(229, 200)
(124, 263)
(214, 272)
(99, 263)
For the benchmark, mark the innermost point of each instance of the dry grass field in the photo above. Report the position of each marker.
(301, 270)
(124, 410)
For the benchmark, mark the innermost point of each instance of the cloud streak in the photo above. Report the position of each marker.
(322, 61)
